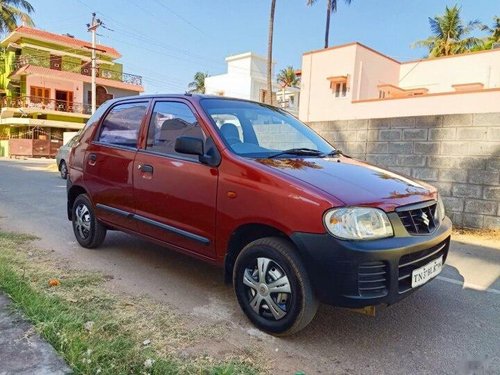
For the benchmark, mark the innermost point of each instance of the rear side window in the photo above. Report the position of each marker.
(169, 121)
(121, 125)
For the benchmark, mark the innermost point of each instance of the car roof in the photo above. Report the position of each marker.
(191, 97)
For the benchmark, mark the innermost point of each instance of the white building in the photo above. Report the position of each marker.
(353, 81)
(246, 78)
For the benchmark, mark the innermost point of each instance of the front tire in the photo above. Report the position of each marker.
(89, 232)
(63, 169)
(273, 288)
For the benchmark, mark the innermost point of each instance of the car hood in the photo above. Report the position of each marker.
(354, 182)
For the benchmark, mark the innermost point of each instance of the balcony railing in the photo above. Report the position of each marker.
(84, 69)
(46, 104)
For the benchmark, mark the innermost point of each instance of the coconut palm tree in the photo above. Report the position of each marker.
(450, 35)
(13, 11)
(331, 7)
(495, 34)
(288, 78)
(269, 96)
(198, 85)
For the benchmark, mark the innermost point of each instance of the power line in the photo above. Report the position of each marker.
(181, 17)
(140, 36)
(189, 57)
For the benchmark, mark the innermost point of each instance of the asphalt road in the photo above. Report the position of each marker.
(452, 325)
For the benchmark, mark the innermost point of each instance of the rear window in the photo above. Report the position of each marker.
(121, 125)
(96, 116)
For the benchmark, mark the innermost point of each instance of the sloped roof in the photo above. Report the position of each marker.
(45, 36)
(33, 69)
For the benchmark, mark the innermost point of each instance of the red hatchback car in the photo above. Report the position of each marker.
(247, 186)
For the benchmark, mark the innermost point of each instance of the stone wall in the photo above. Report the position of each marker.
(459, 154)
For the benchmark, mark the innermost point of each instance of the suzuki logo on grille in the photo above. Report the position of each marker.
(425, 219)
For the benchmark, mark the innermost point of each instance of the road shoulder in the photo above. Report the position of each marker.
(22, 350)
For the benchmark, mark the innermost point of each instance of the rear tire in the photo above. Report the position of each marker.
(273, 288)
(63, 169)
(89, 232)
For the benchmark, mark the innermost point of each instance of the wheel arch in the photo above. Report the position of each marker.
(241, 237)
(73, 192)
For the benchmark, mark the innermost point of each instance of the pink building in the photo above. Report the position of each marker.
(45, 88)
(353, 81)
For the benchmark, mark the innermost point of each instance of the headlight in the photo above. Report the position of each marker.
(358, 223)
(439, 214)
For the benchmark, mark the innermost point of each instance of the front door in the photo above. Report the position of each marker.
(175, 195)
(109, 161)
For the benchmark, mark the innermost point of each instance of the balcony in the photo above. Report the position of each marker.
(84, 69)
(38, 103)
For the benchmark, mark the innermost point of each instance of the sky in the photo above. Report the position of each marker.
(168, 41)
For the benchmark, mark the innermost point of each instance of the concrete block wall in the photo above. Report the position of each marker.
(459, 154)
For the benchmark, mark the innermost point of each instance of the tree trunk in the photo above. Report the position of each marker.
(328, 14)
(269, 96)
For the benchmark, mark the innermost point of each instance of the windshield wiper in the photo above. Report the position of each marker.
(297, 151)
(336, 153)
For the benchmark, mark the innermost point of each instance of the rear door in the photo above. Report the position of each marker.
(109, 162)
(175, 194)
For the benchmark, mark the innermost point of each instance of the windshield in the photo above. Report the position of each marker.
(260, 131)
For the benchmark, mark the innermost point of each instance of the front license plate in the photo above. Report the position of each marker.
(425, 273)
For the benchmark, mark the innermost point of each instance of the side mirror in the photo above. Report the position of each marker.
(189, 145)
(194, 146)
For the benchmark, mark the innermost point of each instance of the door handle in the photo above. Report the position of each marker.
(146, 168)
(92, 159)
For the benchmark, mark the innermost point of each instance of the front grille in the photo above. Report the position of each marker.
(419, 220)
(410, 262)
(373, 279)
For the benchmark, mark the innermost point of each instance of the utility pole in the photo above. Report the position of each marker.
(96, 22)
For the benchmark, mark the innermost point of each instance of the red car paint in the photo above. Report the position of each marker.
(290, 195)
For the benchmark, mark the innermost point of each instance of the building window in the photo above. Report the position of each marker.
(39, 94)
(339, 85)
(86, 68)
(340, 89)
(55, 62)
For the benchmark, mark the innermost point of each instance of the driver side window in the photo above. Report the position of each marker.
(169, 121)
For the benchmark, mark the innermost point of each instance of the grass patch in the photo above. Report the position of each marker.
(97, 332)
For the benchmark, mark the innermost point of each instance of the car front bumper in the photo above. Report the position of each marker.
(362, 273)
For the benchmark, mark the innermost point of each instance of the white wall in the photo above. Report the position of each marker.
(245, 78)
(438, 75)
(371, 70)
(367, 69)
(318, 100)
(232, 85)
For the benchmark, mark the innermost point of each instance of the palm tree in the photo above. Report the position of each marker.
(288, 78)
(495, 34)
(450, 34)
(269, 96)
(198, 85)
(11, 12)
(331, 7)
